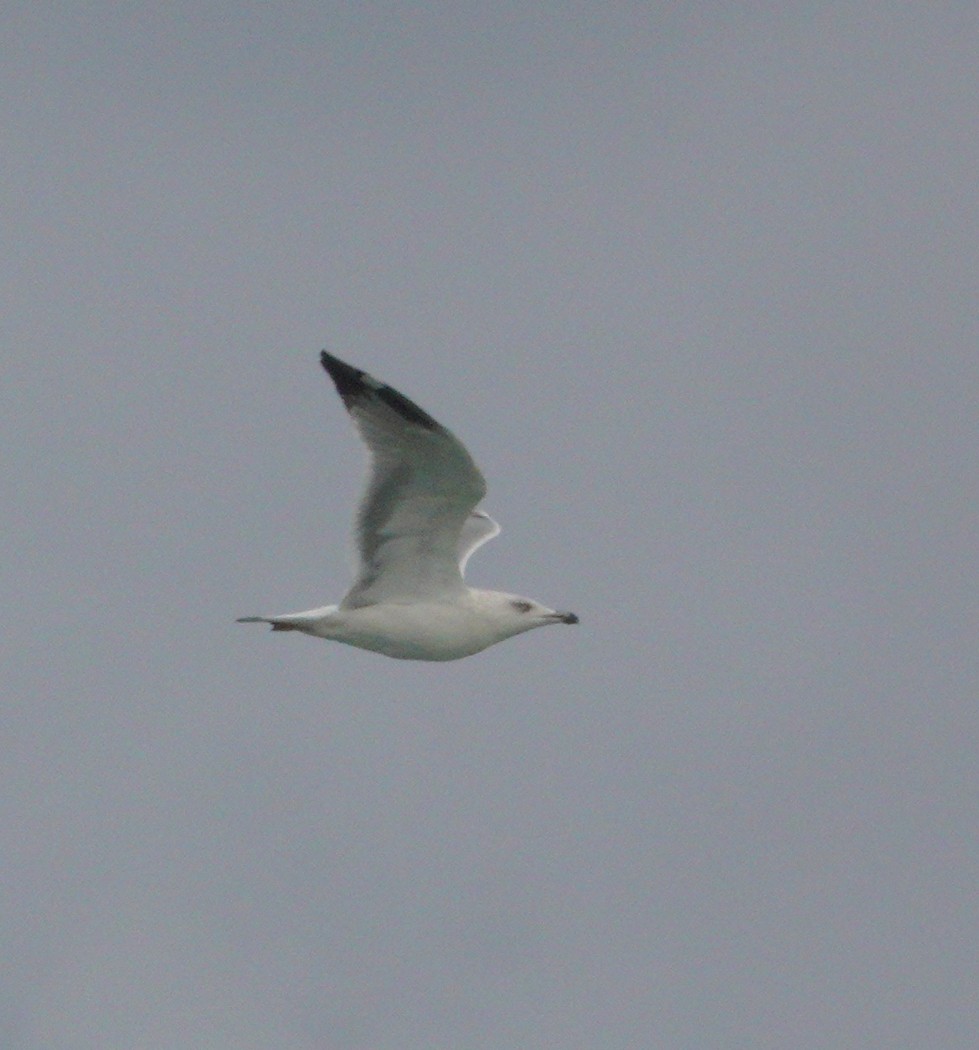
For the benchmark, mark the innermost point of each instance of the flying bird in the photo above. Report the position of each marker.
(416, 529)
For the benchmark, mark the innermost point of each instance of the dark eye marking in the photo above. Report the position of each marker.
(522, 606)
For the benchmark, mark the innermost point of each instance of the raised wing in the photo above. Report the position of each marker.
(422, 487)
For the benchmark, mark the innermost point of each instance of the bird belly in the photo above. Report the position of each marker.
(429, 631)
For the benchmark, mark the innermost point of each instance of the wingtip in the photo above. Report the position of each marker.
(353, 383)
(348, 380)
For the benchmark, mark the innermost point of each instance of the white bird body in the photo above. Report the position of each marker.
(416, 528)
(428, 630)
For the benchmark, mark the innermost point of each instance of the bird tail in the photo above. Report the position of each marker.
(277, 625)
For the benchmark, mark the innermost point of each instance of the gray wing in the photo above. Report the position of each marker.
(422, 488)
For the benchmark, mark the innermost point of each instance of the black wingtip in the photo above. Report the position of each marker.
(348, 380)
(352, 383)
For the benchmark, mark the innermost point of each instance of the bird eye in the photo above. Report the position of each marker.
(522, 606)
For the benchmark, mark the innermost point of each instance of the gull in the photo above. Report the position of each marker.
(416, 529)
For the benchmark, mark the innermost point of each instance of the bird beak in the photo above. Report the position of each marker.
(566, 617)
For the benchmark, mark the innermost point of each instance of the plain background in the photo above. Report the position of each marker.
(697, 285)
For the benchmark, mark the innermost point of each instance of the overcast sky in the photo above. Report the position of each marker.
(697, 284)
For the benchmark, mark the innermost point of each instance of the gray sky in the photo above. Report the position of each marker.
(696, 283)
